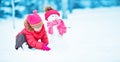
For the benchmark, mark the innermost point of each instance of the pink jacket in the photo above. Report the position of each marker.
(60, 26)
(32, 37)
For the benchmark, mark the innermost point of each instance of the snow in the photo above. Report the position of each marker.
(93, 35)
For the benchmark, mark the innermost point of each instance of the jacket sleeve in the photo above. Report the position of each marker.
(32, 41)
(44, 37)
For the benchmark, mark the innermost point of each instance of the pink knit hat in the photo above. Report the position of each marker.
(48, 13)
(34, 18)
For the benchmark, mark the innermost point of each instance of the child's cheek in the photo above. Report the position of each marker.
(37, 29)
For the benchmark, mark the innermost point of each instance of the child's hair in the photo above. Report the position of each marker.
(27, 25)
(47, 8)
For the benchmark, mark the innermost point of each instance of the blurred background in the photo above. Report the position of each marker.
(93, 31)
(18, 8)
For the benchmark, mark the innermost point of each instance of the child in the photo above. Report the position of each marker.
(34, 33)
(53, 21)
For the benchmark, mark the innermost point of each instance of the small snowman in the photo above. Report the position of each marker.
(55, 24)
(56, 29)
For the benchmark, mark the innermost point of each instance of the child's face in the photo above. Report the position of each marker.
(37, 27)
(53, 17)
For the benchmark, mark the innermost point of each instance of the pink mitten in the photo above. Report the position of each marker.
(45, 47)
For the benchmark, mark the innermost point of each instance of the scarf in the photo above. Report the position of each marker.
(60, 26)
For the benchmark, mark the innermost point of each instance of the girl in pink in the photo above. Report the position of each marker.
(34, 33)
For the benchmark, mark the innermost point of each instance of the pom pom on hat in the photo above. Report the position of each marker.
(50, 12)
(34, 18)
(35, 11)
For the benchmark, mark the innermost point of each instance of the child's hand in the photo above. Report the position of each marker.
(45, 48)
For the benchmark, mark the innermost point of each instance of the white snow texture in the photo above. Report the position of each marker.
(93, 35)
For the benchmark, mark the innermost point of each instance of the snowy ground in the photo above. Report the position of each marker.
(92, 36)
